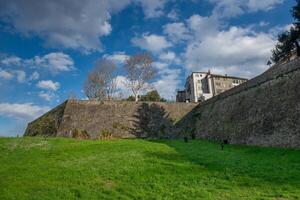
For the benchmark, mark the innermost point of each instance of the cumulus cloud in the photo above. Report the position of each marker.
(225, 50)
(70, 24)
(13, 60)
(201, 27)
(173, 15)
(151, 42)
(5, 75)
(168, 82)
(34, 76)
(21, 76)
(236, 51)
(117, 57)
(255, 5)
(232, 8)
(121, 88)
(48, 85)
(56, 62)
(169, 57)
(26, 111)
(176, 31)
(153, 8)
(46, 96)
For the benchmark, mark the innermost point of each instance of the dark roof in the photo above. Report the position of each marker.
(225, 76)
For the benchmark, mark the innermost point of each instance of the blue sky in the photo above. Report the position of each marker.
(48, 47)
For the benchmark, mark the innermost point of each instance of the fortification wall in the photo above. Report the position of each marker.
(48, 124)
(122, 119)
(264, 111)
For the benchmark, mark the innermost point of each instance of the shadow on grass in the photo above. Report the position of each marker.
(246, 165)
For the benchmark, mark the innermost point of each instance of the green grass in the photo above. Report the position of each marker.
(35, 168)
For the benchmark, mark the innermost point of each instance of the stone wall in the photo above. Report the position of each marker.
(119, 118)
(264, 111)
(48, 124)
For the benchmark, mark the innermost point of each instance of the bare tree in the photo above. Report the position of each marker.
(139, 71)
(101, 82)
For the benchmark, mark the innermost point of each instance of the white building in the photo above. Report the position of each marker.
(201, 86)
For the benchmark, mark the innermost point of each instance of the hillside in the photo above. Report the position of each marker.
(58, 168)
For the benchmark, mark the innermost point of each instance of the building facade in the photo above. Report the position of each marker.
(201, 86)
(180, 96)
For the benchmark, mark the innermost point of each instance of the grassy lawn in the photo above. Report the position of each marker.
(35, 168)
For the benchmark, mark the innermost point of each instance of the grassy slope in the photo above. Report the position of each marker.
(34, 168)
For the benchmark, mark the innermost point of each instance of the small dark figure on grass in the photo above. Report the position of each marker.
(193, 136)
(186, 139)
(223, 144)
(186, 136)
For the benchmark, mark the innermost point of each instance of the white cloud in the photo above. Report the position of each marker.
(152, 8)
(26, 111)
(263, 23)
(13, 60)
(235, 51)
(232, 8)
(202, 27)
(255, 5)
(21, 76)
(160, 65)
(169, 57)
(5, 75)
(46, 96)
(56, 62)
(121, 88)
(176, 31)
(153, 43)
(173, 15)
(74, 25)
(48, 85)
(168, 82)
(117, 57)
(34, 76)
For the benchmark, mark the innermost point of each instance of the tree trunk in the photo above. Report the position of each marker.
(297, 49)
(136, 98)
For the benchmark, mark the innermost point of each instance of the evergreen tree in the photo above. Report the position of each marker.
(289, 40)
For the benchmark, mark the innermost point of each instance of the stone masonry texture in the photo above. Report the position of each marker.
(265, 111)
(122, 119)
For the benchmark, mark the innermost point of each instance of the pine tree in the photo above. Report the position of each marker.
(289, 40)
